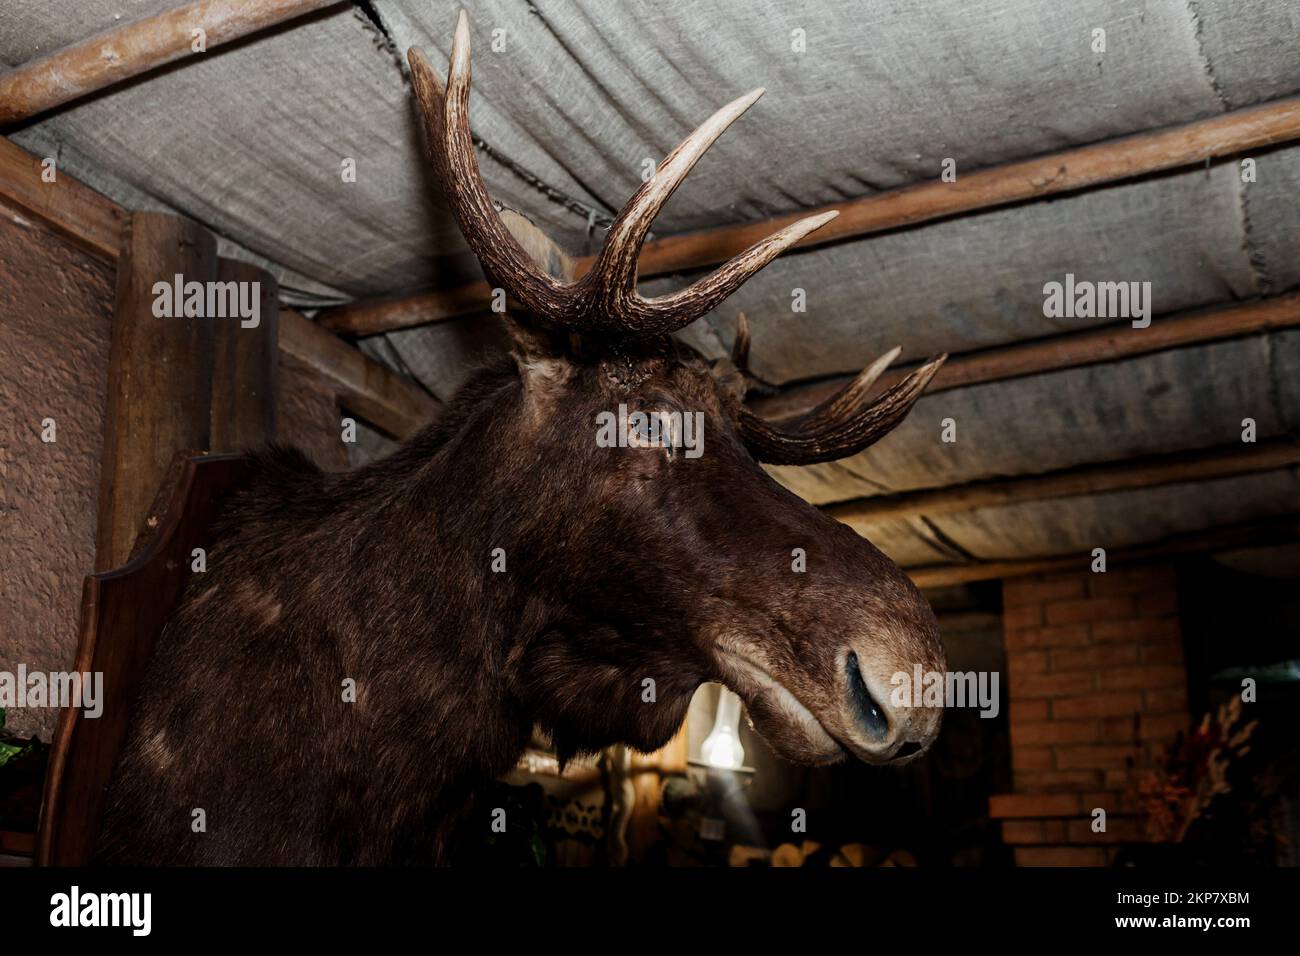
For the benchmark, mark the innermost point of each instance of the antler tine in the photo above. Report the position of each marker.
(605, 299)
(679, 309)
(612, 279)
(740, 347)
(844, 403)
(778, 446)
(446, 115)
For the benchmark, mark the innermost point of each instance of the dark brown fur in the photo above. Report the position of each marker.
(622, 565)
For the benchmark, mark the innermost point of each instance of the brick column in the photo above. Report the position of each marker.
(1097, 688)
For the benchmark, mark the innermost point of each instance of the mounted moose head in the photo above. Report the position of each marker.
(505, 566)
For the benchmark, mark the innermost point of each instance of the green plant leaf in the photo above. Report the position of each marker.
(10, 751)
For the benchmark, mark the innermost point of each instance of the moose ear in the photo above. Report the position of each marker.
(540, 354)
(732, 374)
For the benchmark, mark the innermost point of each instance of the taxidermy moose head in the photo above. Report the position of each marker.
(506, 567)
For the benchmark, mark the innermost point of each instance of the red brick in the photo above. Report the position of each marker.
(1157, 604)
(1166, 700)
(1018, 591)
(1118, 830)
(1112, 608)
(1097, 705)
(1051, 685)
(1027, 615)
(1122, 780)
(1026, 662)
(1167, 652)
(1116, 730)
(1031, 758)
(1142, 678)
(1023, 831)
(1020, 805)
(1071, 635)
(1101, 756)
(1149, 629)
(1112, 801)
(1034, 831)
(1163, 727)
(1060, 856)
(1027, 710)
(1093, 658)
(1131, 580)
(1031, 781)
(1056, 732)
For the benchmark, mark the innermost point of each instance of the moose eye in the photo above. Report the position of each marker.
(647, 429)
(641, 429)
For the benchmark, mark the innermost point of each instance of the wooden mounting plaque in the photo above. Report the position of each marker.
(122, 613)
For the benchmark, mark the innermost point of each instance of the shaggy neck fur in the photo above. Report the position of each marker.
(254, 669)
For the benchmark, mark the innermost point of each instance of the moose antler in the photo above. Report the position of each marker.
(844, 424)
(605, 299)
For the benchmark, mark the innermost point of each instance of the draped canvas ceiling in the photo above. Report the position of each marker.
(578, 95)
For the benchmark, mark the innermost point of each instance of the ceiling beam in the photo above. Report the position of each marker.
(1284, 529)
(95, 224)
(131, 49)
(1148, 472)
(1109, 343)
(386, 400)
(1067, 171)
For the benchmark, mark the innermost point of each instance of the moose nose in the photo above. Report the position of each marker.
(870, 714)
(890, 732)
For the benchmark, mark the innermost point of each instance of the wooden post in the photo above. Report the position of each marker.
(179, 382)
(246, 372)
(159, 376)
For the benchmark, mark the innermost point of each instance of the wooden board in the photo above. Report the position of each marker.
(246, 367)
(159, 375)
(122, 614)
(91, 221)
(136, 47)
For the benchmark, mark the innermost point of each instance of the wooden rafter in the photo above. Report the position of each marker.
(1109, 343)
(1147, 472)
(1284, 529)
(1066, 171)
(394, 404)
(134, 48)
(92, 221)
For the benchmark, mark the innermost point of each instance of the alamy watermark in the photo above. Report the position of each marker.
(208, 300)
(1083, 299)
(23, 688)
(655, 429)
(76, 907)
(923, 688)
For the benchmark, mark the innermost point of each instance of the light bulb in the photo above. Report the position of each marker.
(722, 747)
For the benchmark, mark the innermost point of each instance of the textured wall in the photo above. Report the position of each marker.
(55, 313)
(55, 305)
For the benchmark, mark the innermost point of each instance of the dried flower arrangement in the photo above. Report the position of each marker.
(1195, 773)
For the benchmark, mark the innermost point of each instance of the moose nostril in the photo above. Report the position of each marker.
(908, 748)
(870, 714)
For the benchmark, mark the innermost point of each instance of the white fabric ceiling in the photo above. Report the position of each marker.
(249, 140)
